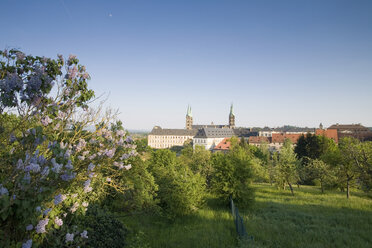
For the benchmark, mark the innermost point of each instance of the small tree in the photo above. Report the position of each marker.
(287, 165)
(319, 170)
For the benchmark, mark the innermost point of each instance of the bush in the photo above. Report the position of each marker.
(104, 229)
(233, 174)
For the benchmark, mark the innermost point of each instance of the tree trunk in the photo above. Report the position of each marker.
(321, 186)
(290, 186)
(348, 188)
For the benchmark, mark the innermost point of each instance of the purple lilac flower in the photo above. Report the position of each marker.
(74, 207)
(120, 133)
(81, 157)
(58, 221)
(68, 177)
(69, 165)
(87, 187)
(45, 120)
(91, 167)
(92, 157)
(40, 228)
(3, 190)
(27, 177)
(69, 237)
(56, 167)
(12, 138)
(45, 172)
(67, 154)
(110, 153)
(125, 156)
(46, 211)
(20, 164)
(84, 234)
(82, 143)
(59, 198)
(34, 167)
(129, 139)
(85, 153)
(38, 209)
(91, 175)
(108, 179)
(28, 244)
(29, 227)
(14, 197)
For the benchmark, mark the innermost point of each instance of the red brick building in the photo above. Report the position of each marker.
(329, 133)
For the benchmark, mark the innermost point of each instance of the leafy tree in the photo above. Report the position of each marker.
(233, 174)
(318, 169)
(287, 164)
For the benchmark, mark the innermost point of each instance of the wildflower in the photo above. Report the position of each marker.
(58, 221)
(56, 167)
(40, 228)
(59, 198)
(69, 165)
(28, 244)
(29, 227)
(62, 145)
(67, 154)
(69, 237)
(84, 234)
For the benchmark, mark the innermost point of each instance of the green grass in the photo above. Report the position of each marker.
(309, 219)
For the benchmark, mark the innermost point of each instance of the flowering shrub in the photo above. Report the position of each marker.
(57, 153)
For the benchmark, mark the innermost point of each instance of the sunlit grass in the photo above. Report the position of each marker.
(309, 219)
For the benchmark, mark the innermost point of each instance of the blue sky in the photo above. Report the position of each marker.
(294, 62)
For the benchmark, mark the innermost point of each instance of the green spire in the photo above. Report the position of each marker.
(189, 113)
(231, 110)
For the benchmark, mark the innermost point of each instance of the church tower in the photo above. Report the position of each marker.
(189, 118)
(231, 117)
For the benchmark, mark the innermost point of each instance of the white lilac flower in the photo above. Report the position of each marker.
(29, 227)
(85, 153)
(84, 234)
(74, 195)
(40, 228)
(3, 190)
(81, 157)
(59, 198)
(82, 143)
(108, 179)
(46, 120)
(91, 167)
(38, 209)
(64, 215)
(92, 157)
(125, 156)
(118, 164)
(128, 167)
(85, 204)
(46, 211)
(74, 207)
(62, 145)
(58, 221)
(69, 237)
(28, 244)
(120, 133)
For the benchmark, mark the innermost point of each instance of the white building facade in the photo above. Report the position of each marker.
(211, 137)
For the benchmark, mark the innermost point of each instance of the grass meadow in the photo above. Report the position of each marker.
(309, 219)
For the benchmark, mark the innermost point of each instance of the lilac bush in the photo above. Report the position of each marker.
(53, 167)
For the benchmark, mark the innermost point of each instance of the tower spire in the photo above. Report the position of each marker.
(232, 110)
(232, 117)
(189, 118)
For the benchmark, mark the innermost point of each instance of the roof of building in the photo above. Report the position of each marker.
(214, 133)
(177, 132)
(225, 144)
(259, 139)
(244, 132)
(351, 127)
(209, 126)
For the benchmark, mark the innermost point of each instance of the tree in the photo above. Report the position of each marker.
(233, 175)
(287, 164)
(319, 170)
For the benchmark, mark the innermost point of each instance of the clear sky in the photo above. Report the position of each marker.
(297, 62)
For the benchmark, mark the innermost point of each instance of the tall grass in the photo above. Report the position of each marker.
(309, 219)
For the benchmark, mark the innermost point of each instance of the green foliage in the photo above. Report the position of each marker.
(233, 174)
(104, 229)
(180, 190)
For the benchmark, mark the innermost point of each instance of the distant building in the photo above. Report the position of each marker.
(329, 133)
(211, 137)
(223, 146)
(352, 130)
(231, 117)
(166, 138)
(189, 118)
